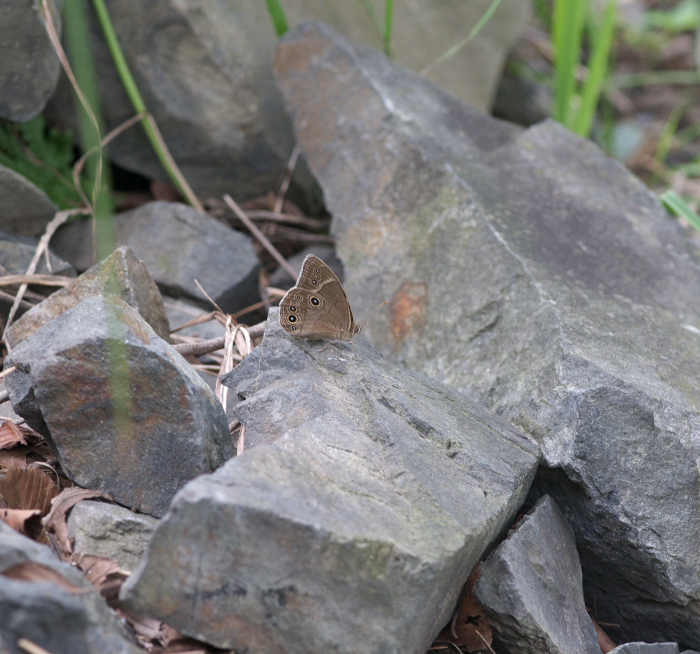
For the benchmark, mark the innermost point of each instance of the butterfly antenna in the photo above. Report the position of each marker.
(373, 310)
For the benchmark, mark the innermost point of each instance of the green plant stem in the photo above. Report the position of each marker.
(279, 18)
(139, 105)
(667, 134)
(567, 36)
(691, 77)
(597, 70)
(472, 34)
(77, 34)
(388, 25)
(373, 17)
(678, 207)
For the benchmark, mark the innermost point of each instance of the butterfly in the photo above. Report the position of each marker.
(317, 307)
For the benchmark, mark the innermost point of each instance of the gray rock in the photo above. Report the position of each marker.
(49, 615)
(522, 101)
(121, 274)
(181, 311)
(25, 210)
(110, 531)
(530, 588)
(364, 498)
(178, 245)
(203, 69)
(29, 66)
(140, 443)
(646, 648)
(424, 30)
(16, 253)
(540, 278)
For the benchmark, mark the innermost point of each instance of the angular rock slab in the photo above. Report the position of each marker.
(647, 648)
(16, 253)
(203, 69)
(164, 428)
(178, 245)
(24, 208)
(365, 496)
(110, 531)
(121, 274)
(29, 66)
(542, 279)
(530, 588)
(55, 618)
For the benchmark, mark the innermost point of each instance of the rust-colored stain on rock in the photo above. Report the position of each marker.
(408, 311)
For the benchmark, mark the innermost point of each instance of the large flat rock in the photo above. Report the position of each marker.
(365, 496)
(542, 279)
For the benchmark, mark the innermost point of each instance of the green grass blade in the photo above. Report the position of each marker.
(279, 18)
(373, 17)
(567, 36)
(544, 13)
(472, 34)
(149, 126)
(668, 133)
(675, 205)
(90, 128)
(388, 25)
(597, 70)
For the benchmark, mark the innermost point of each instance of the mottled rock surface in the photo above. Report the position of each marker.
(203, 69)
(365, 496)
(65, 617)
(178, 245)
(530, 588)
(121, 409)
(16, 253)
(647, 648)
(120, 274)
(110, 531)
(25, 210)
(29, 66)
(544, 280)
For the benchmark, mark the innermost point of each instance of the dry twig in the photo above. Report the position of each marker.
(259, 235)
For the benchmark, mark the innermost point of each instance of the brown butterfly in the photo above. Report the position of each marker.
(317, 307)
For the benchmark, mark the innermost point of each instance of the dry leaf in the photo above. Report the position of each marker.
(104, 573)
(11, 435)
(32, 571)
(28, 488)
(26, 521)
(55, 521)
(150, 630)
(469, 628)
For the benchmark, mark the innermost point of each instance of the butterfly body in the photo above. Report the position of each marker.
(317, 307)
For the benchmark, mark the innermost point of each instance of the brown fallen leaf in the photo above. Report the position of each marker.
(103, 573)
(11, 435)
(150, 631)
(32, 571)
(55, 522)
(28, 488)
(469, 628)
(26, 521)
(605, 643)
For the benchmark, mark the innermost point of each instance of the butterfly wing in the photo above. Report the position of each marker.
(317, 307)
